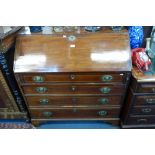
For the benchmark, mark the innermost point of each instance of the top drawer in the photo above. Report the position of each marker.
(146, 88)
(71, 77)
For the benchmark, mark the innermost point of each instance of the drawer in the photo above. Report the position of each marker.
(72, 77)
(145, 110)
(145, 100)
(66, 113)
(146, 88)
(140, 120)
(73, 89)
(73, 101)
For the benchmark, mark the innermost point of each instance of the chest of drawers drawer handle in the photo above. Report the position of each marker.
(142, 120)
(106, 78)
(72, 76)
(146, 110)
(102, 113)
(105, 90)
(38, 79)
(153, 90)
(44, 101)
(47, 114)
(150, 101)
(41, 89)
(103, 101)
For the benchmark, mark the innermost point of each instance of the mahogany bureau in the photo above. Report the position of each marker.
(73, 76)
(139, 109)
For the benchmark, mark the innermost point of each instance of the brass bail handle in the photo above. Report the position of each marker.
(105, 90)
(41, 89)
(106, 78)
(38, 79)
(44, 101)
(47, 113)
(150, 101)
(102, 113)
(104, 101)
(146, 110)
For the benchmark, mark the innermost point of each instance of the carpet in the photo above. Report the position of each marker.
(15, 124)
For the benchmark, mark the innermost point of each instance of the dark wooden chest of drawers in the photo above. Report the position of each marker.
(80, 79)
(139, 109)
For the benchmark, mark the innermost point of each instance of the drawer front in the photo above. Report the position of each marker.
(145, 110)
(145, 100)
(73, 89)
(146, 88)
(140, 120)
(74, 113)
(72, 77)
(73, 101)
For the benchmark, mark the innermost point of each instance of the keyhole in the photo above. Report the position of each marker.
(72, 77)
(73, 88)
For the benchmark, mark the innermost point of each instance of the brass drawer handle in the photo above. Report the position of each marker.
(142, 120)
(146, 110)
(104, 101)
(153, 89)
(38, 79)
(102, 113)
(41, 89)
(44, 101)
(150, 101)
(47, 114)
(106, 78)
(105, 90)
(72, 76)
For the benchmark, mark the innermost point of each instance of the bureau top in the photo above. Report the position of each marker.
(84, 52)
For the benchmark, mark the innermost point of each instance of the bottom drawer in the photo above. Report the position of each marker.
(143, 110)
(140, 120)
(81, 113)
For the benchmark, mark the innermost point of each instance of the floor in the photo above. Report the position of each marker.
(76, 125)
(68, 124)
